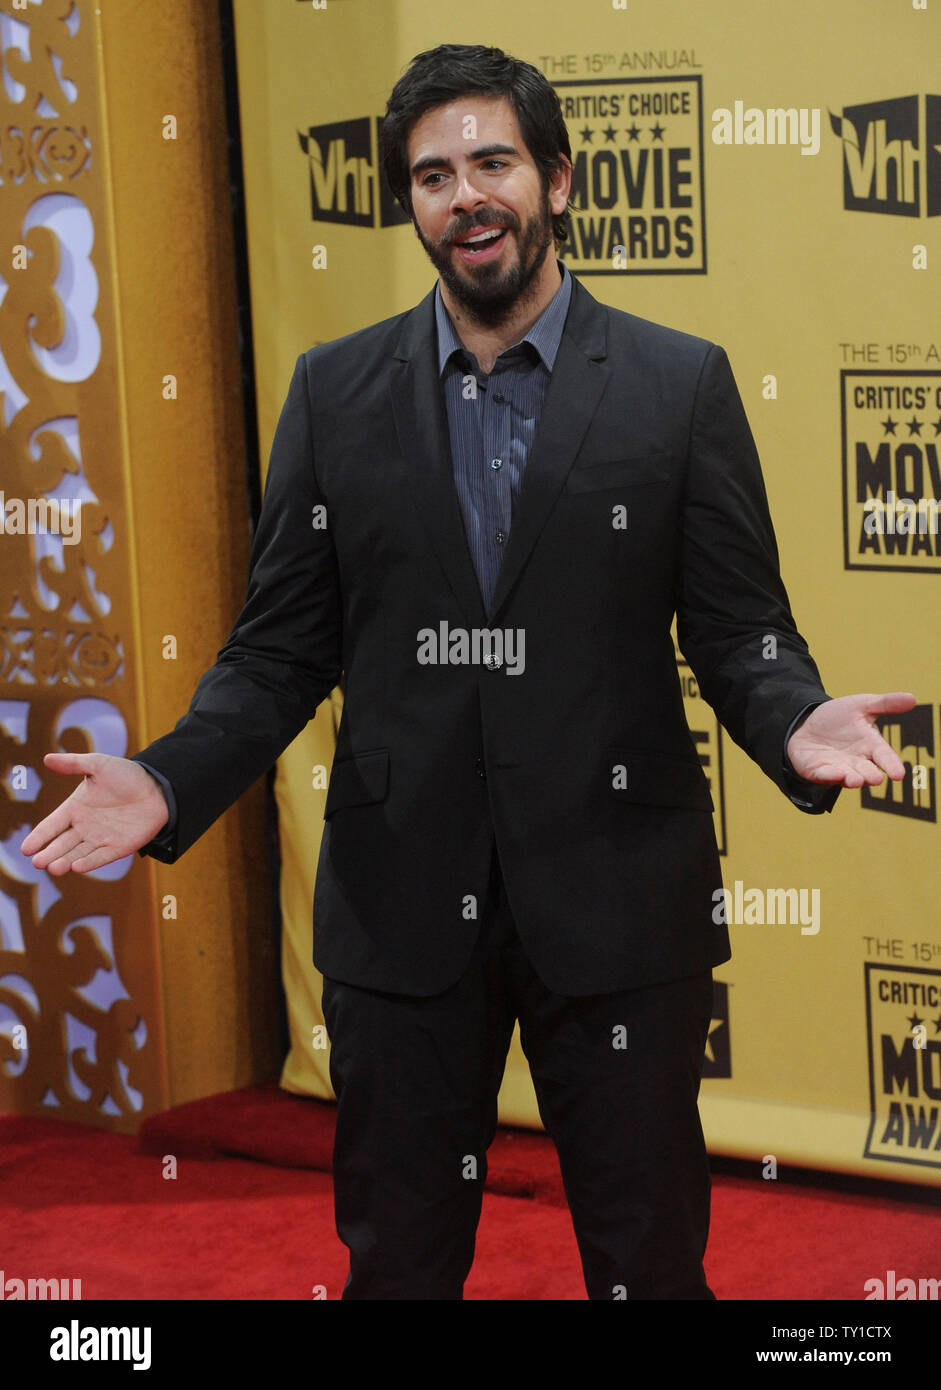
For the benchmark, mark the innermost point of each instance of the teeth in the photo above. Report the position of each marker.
(483, 236)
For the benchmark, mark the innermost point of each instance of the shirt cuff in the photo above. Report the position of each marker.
(164, 839)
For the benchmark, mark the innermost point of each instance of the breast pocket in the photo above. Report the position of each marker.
(619, 473)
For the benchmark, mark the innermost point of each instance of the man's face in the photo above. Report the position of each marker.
(471, 171)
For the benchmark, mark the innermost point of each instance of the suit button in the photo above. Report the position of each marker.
(480, 769)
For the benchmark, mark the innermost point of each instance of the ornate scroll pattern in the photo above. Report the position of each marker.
(76, 968)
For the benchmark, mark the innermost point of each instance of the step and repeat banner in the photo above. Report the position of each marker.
(769, 177)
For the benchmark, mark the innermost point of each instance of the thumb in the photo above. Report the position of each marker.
(895, 702)
(72, 764)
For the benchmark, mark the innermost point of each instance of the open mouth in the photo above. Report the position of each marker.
(482, 245)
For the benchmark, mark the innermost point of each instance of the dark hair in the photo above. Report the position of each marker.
(453, 70)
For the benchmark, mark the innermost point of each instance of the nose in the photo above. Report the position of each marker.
(466, 196)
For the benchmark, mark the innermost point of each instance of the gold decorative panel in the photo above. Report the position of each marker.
(79, 1018)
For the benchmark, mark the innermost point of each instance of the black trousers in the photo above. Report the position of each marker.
(616, 1078)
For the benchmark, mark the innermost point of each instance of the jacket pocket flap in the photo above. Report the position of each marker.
(622, 472)
(358, 780)
(658, 779)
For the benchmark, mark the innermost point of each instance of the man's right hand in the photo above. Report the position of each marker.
(116, 810)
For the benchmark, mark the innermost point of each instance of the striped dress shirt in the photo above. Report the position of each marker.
(492, 421)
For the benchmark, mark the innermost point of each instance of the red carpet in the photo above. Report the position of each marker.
(81, 1203)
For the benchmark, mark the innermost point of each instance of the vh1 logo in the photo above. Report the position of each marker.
(889, 165)
(347, 183)
(911, 736)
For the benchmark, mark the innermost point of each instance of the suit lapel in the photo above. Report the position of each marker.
(579, 377)
(421, 422)
(578, 380)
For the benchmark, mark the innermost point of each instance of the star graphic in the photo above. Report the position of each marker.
(937, 1024)
(889, 425)
(937, 425)
(586, 135)
(657, 131)
(714, 1023)
(609, 133)
(915, 1021)
(914, 426)
(633, 132)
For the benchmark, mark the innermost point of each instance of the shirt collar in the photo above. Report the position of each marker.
(545, 334)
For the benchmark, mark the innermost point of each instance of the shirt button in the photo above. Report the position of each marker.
(480, 769)
(499, 537)
(496, 463)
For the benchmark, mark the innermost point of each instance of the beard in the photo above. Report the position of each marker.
(491, 292)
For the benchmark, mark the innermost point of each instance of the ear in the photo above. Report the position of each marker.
(560, 183)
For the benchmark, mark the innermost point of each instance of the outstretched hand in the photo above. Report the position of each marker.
(839, 741)
(116, 810)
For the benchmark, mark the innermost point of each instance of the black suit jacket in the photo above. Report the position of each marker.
(581, 765)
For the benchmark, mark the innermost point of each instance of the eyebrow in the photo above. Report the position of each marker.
(438, 161)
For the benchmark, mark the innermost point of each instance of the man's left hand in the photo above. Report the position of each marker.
(839, 741)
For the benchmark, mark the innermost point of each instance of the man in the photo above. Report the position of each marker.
(521, 486)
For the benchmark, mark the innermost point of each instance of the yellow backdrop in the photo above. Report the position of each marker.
(771, 174)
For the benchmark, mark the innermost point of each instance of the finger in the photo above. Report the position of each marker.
(862, 775)
(895, 702)
(867, 772)
(885, 757)
(97, 858)
(54, 824)
(61, 845)
(84, 849)
(849, 772)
